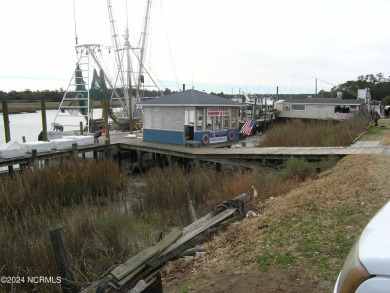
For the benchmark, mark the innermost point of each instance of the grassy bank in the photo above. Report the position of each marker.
(301, 238)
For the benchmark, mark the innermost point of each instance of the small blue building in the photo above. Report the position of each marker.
(191, 117)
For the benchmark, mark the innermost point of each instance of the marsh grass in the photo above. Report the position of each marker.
(169, 189)
(70, 195)
(64, 184)
(316, 133)
(103, 226)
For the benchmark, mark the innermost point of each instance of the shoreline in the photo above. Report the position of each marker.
(20, 107)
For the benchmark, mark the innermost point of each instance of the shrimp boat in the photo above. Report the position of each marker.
(95, 99)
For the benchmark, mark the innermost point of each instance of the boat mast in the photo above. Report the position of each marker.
(143, 47)
(124, 71)
(128, 91)
(115, 41)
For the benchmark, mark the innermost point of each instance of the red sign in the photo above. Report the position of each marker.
(218, 111)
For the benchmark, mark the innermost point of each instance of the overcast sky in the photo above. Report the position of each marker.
(212, 45)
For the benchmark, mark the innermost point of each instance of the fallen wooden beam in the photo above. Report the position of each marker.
(124, 272)
(147, 263)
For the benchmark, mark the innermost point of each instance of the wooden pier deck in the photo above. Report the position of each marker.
(233, 155)
(248, 153)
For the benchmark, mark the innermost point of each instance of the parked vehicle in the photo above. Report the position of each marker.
(367, 267)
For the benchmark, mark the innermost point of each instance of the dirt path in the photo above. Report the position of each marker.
(357, 186)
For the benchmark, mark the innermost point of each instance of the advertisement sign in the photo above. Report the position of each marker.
(218, 136)
(218, 111)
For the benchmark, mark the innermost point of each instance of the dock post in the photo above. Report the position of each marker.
(133, 156)
(44, 123)
(191, 208)
(6, 121)
(169, 160)
(107, 150)
(74, 151)
(81, 128)
(6, 128)
(119, 159)
(139, 159)
(197, 163)
(34, 155)
(62, 260)
(218, 167)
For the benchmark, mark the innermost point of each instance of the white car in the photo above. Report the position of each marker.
(367, 267)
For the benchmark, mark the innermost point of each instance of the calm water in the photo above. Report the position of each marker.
(29, 125)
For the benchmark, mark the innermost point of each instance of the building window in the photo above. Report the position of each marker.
(298, 107)
(341, 109)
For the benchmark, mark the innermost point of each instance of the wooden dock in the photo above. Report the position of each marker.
(135, 148)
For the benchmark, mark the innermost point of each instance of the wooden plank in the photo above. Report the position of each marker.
(131, 275)
(133, 264)
(168, 240)
(243, 197)
(198, 239)
(218, 218)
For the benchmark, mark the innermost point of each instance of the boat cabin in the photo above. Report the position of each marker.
(319, 108)
(191, 117)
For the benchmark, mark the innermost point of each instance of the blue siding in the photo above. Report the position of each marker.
(164, 136)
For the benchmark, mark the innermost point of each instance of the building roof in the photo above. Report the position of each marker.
(190, 98)
(326, 101)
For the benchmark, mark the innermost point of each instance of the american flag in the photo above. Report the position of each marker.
(247, 127)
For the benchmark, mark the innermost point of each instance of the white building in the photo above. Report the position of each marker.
(321, 108)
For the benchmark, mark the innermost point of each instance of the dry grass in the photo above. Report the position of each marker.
(74, 195)
(315, 133)
(102, 227)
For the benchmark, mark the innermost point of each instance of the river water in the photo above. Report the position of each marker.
(29, 125)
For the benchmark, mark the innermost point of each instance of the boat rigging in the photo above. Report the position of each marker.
(91, 81)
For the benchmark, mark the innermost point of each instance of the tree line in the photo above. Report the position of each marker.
(57, 95)
(378, 84)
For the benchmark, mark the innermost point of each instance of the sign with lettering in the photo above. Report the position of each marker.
(218, 136)
(218, 111)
